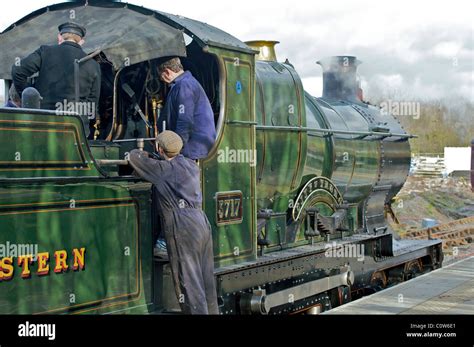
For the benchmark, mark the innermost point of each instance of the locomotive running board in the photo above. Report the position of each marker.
(292, 268)
(258, 302)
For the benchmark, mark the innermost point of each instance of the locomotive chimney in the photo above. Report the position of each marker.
(340, 78)
(266, 48)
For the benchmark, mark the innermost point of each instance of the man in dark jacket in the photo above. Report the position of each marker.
(187, 110)
(55, 65)
(186, 227)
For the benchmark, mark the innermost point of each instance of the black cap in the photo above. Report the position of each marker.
(72, 28)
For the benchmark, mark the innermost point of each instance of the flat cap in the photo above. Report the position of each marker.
(170, 142)
(73, 28)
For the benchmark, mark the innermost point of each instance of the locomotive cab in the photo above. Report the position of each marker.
(121, 123)
(132, 94)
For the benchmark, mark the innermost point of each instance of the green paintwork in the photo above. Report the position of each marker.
(44, 146)
(56, 217)
(233, 243)
(352, 164)
(289, 159)
(279, 102)
(106, 151)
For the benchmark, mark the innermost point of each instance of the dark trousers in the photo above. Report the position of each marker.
(189, 245)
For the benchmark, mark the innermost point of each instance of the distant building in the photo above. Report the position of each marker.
(472, 165)
(457, 161)
(2, 92)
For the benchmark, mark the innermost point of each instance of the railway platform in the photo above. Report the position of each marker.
(449, 290)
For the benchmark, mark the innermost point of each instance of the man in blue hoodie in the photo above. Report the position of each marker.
(14, 100)
(187, 110)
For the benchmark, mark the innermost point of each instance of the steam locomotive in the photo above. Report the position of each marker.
(296, 188)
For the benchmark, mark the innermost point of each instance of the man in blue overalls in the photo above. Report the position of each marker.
(185, 226)
(187, 110)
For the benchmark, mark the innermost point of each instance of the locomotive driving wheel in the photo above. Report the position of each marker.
(412, 269)
(378, 281)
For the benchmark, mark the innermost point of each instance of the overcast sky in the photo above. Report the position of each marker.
(410, 49)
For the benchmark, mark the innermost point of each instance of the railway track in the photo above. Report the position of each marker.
(456, 233)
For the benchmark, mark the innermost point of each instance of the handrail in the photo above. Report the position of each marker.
(320, 130)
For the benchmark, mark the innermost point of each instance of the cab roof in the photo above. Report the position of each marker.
(126, 33)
